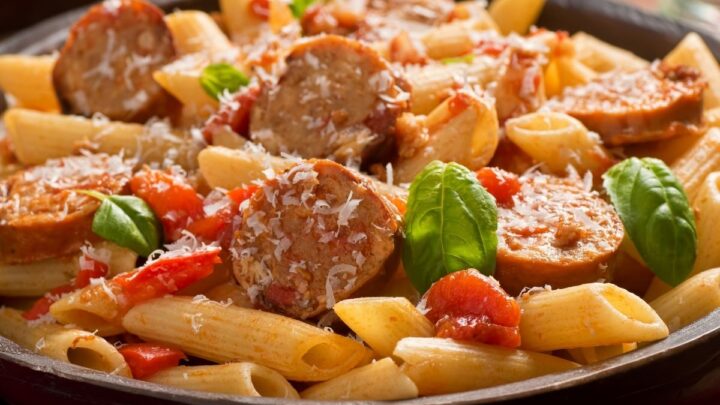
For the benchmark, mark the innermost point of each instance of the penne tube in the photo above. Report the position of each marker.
(93, 308)
(707, 207)
(592, 355)
(230, 168)
(696, 164)
(587, 315)
(467, 135)
(195, 31)
(221, 333)
(29, 80)
(38, 136)
(37, 278)
(69, 345)
(184, 84)
(558, 141)
(572, 72)
(691, 300)
(382, 321)
(444, 366)
(449, 40)
(246, 379)
(515, 15)
(693, 51)
(381, 380)
(434, 83)
(603, 57)
(242, 24)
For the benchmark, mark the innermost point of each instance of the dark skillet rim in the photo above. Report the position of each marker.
(53, 31)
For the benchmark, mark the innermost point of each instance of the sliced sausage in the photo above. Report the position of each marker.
(337, 99)
(555, 233)
(650, 104)
(41, 214)
(312, 236)
(107, 62)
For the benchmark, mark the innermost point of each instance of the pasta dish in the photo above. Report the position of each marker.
(353, 200)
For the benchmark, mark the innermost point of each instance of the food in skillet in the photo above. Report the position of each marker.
(363, 200)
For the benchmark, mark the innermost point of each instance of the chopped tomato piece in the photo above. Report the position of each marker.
(89, 269)
(146, 359)
(470, 306)
(501, 184)
(217, 227)
(235, 114)
(166, 276)
(477, 329)
(172, 199)
(42, 305)
(240, 194)
(260, 8)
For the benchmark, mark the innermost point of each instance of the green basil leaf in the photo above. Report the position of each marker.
(298, 7)
(657, 216)
(129, 222)
(218, 77)
(469, 58)
(450, 225)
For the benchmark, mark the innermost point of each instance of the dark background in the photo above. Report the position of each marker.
(16, 14)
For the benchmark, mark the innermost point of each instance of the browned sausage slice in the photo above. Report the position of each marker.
(312, 236)
(41, 216)
(555, 233)
(107, 62)
(650, 104)
(337, 99)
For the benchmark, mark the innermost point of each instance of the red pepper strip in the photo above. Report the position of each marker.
(166, 276)
(146, 359)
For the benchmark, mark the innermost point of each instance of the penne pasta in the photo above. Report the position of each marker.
(93, 308)
(558, 140)
(707, 207)
(444, 366)
(29, 80)
(592, 355)
(603, 57)
(381, 380)
(246, 379)
(434, 83)
(515, 15)
(587, 315)
(449, 40)
(39, 136)
(242, 24)
(220, 333)
(230, 168)
(37, 278)
(69, 345)
(691, 300)
(182, 80)
(468, 136)
(693, 51)
(195, 31)
(382, 322)
(693, 167)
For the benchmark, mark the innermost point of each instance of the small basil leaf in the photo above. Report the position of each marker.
(450, 225)
(656, 214)
(129, 222)
(298, 7)
(218, 77)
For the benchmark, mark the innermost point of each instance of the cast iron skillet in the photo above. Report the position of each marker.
(685, 365)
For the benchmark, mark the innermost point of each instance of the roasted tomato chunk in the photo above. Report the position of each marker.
(146, 359)
(467, 305)
(501, 184)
